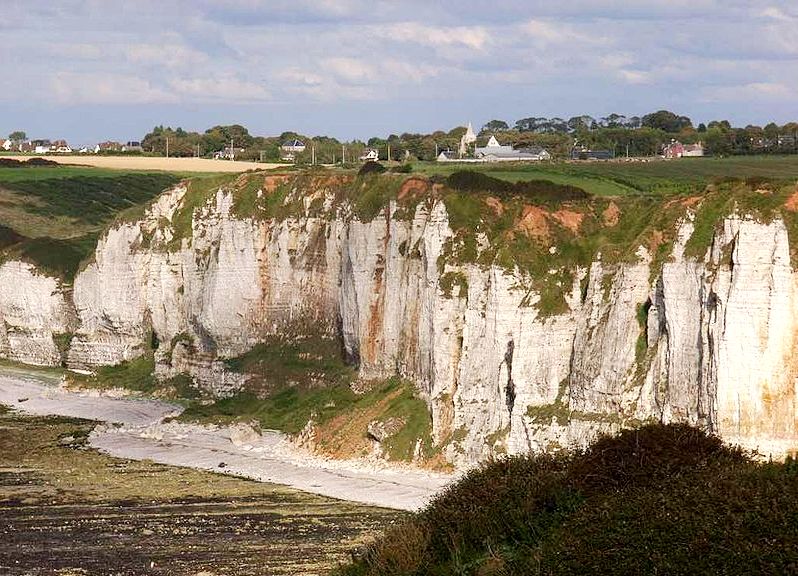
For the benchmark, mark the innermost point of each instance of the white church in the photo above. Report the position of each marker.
(492, 152)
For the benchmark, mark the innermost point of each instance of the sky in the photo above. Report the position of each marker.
(95, 70)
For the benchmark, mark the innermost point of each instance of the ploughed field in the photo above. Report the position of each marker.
(155, 163)
(67, 509)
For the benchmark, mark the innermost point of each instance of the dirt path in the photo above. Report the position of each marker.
(268, 458)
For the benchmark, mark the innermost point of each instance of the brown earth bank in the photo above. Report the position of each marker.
(67, 509)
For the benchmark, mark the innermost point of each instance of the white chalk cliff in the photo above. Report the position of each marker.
(716, 347)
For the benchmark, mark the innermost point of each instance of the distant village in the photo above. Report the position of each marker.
(62, 147)
(662, 134)
(494, 151)
(467, 152)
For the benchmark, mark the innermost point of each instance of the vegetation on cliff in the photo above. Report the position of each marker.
(292, 383)
(660, 499)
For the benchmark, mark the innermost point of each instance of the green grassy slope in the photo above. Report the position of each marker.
(57, 213)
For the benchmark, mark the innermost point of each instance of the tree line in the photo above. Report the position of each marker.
(646, 135)
(632, 135)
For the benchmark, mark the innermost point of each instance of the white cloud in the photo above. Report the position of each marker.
(354, 79)
(228, 88)
(350, 70)
(473, 37)
(776, 13)
(298, 78)
(546, 33)
(750, 93)
(532, 58)
(95, 88)
(635, 76)
(77, 50)
(168, 55)
(397, 72)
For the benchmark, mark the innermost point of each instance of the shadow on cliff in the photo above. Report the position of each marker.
(660, 499)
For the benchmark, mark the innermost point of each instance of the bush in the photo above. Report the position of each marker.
(371, 167)
(536, 191)
(470, 181)
(41, 162)
(402, 169)
(33, 162)
(666, 499)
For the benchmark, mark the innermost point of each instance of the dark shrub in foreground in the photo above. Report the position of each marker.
(371, 167)
(14, 163)
(536, 191)
(658, 500)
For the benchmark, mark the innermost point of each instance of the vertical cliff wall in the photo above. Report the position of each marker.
(705, 339)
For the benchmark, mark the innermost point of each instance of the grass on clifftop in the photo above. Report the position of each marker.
(658, 500)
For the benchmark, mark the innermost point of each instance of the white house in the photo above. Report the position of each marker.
(107, 147)
(370, 155)
(132, 146)
(6, 144)
(290, 148)
(495, 152)
(296, 146)
(693, 150)
(676, 149)
(227, 153)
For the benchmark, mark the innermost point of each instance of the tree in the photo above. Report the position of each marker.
(542, 125)
(531, 124)
(720, 125)
(667, 121)
(18, 136)
(495, 126)
(772, 130)
(614, 121)
(702, 127)
(580, 123)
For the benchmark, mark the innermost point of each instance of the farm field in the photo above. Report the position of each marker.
(659, 177)
(157, 163)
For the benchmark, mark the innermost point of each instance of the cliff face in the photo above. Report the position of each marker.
(37, 315)
(709, 341)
